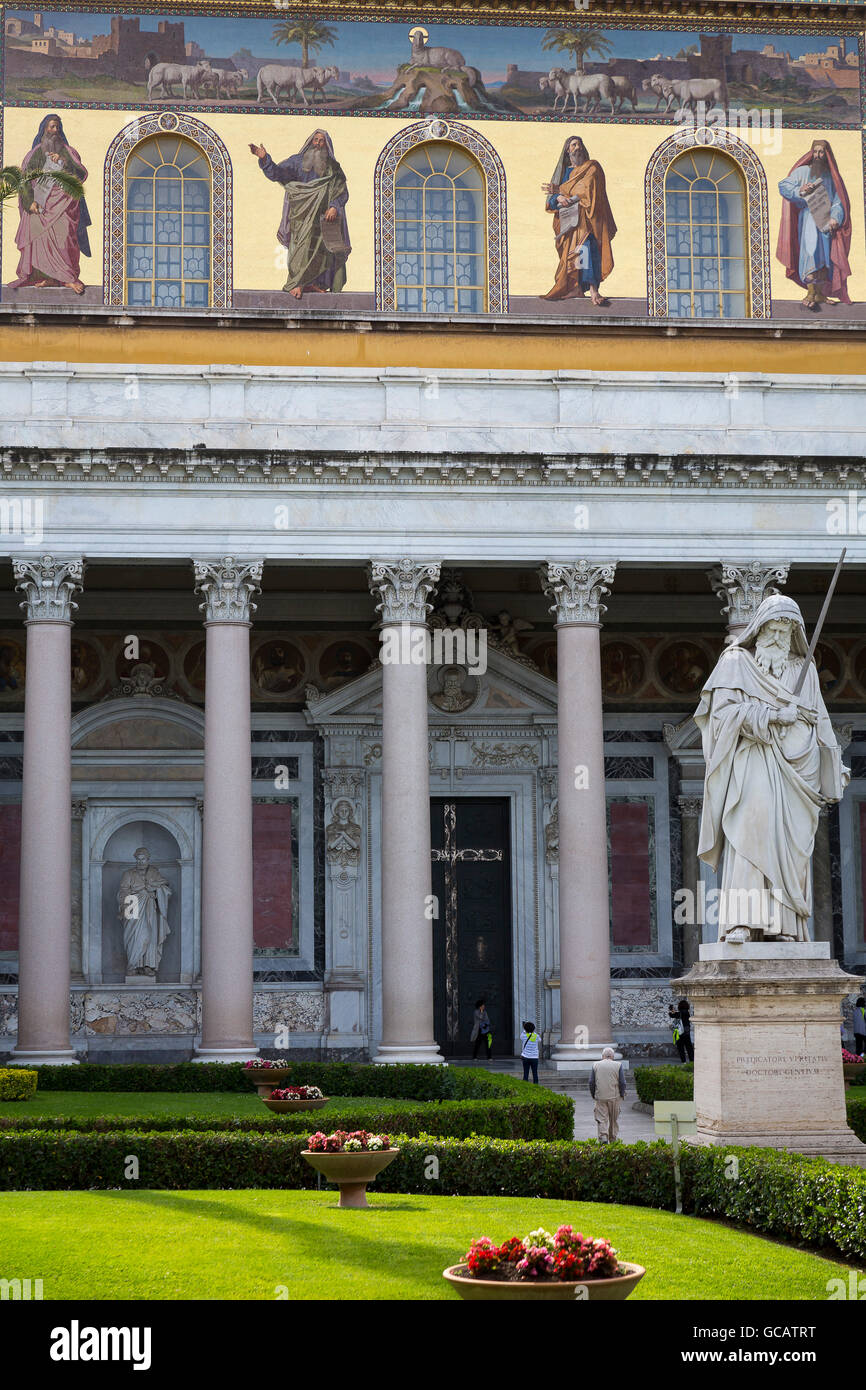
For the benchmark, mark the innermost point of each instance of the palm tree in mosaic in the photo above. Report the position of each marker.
(14, 183)
(580, 43)
(309, 33)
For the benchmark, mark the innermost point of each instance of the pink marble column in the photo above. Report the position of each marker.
(402, 588)
(45, 914)
(584, 912)
(227, 847)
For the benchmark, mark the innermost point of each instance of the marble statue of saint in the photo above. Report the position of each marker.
(343, 836)
(452, 698)
(142, 902)
(772, 764)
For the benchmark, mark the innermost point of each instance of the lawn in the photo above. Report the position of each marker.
(207, 1104)
(277, 1244)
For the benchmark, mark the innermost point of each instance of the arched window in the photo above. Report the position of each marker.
(168, 225)
(168, 215)
(439, 213)
(440, 222)
(707, 228)
(706, 237)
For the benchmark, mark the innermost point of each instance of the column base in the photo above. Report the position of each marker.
(569, 1057)
(225, 1054)
(43, 1058)
(419, 1054)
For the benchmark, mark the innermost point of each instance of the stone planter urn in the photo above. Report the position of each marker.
(351, 1171)
(616, 1288)
(288, 1107)
(266, 1079)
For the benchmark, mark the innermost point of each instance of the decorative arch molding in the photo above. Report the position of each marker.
(758, 250)
(121, 147)
(155, 815)
(438, 131)
(101, 716)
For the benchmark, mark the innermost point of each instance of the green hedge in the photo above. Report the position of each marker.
(665, 1083)
(17, 1084)
(535, 1114)
(857, 1118)
(335, 1078)
(800, 1199)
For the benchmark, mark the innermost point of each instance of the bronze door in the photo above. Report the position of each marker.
(472, 932)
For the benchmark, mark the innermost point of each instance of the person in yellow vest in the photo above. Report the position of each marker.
(607, 1088)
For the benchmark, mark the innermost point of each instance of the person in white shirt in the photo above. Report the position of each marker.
(607, 1088)
(529, 1051)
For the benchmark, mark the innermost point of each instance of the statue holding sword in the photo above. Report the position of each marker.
(772, 764)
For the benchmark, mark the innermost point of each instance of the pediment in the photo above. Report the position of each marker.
(507, 691)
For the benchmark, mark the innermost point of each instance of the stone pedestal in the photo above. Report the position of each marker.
(768, 1060)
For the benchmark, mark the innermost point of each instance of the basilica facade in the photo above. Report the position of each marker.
(391, 442)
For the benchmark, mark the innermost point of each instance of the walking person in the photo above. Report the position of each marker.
(860, 1026)
(607, 1088)
(481, 1030)
(529, 1051)
(681, 1030)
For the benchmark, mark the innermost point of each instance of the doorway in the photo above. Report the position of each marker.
(470, 839)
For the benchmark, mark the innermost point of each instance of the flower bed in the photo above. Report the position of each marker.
(343, 1142)
(296, 1093)
(566, 1256)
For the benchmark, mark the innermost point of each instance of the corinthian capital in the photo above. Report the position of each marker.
(48, 585)
(402, 588)
(743, 588)
(228, 586)
(577, 590)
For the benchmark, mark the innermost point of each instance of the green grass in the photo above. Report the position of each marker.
(247, 1244)
(209, 1105)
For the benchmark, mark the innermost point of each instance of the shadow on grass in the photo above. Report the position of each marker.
(346, 1247)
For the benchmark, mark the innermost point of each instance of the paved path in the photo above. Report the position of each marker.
(633, 1125)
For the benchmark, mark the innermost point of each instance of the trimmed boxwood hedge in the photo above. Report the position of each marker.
(675, 1082)
(857, 1118)
(535, 1114)
(334, 1078)
(16, 1083)
(800, 1199)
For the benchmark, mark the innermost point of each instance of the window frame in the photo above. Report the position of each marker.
(713, 140)
(122, 147)
(440, 132)
(154, 277)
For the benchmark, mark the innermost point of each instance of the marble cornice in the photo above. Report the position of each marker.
(205, 468)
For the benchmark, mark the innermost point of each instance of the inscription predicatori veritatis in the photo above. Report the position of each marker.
(784, 1064)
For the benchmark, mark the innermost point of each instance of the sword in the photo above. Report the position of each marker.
(817, 633)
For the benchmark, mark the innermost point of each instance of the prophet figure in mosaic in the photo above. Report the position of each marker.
(772, 764)
(815, 233)
(52, 230)
(582, 223)
(313, 227)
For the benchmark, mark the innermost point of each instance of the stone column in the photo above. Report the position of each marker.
(690, 819)
(227, 847)
(584, 911)
(743, 588)
(402, 588)
(45, 914)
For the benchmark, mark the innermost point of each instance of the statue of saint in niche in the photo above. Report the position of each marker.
(142, 902)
